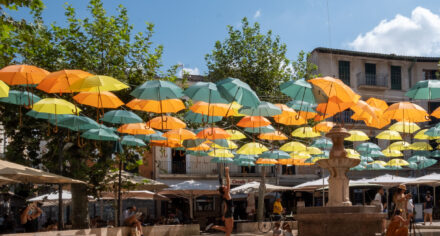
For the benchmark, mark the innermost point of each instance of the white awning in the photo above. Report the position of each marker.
(255, 186)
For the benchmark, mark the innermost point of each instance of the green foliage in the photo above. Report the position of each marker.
(303, 68)
(257, 59)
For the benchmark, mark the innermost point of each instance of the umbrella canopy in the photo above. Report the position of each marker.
(304, 109)
(212, 109)
(55, 106)
(305, 132)
(300, 90)
(406, 111)
(323, 143)
(277, 135)
(205, 92)
(235, 134)
(351, 153)
(252, 149)
(135, 129)
(327, 87)
(54, 197)
(324, 126)
(363, 111)
(392, 152)
(404, 127)
(129, 140)
(166, 122)
(180, 134)
(312, 185)
(293, 146)
(265, 161)
(197, 153)
(436, 112)
(224, 160)
(60, 81)
(22, 98)
(420, 146)
(422, 136)
(399, 145)
(190, 188)
(377, 103)
(101, 134)
(74, 122)
(22, 74)
(98, 100)
(202, 147)
(275, 154)
(367, 147)
(213, 133)
(135, 194)
(333, 106)
(253, 121)
(356, 136)
(200, 118)
(388, 180)
(263, 109)
(289, 116)
(97, 83)
(397, 162)
(157, 136)
(162, 106)
(131, 181)
(46, 116)
(229, 145)
(375, 166)
(314, 151)
(157, 90)
(260, 130)
(121, 117)
(223, 153)
(425, 90)
(389, 135)
(4, 90)
(236, 90)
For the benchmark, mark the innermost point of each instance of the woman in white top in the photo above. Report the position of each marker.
(378, 202)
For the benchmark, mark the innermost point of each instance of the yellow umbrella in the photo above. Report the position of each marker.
(422, 136)
(223, 153)
(404, 127)
(397, 162)
(392, 153)
(55, 106)
(4, 90)
(293, 146)
(201, 147)
(266, 161)
(389, 135)
(252, 149)
(235, 107)
(351, 153)
(399, 145)
(305, 132)
(357, 135)
(235, 134)
(300, 155)
(231, 145)
(277, 135)
(313, 150)
(420, 146)
(382, 163)
(97, 83)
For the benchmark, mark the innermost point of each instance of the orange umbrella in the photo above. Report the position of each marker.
(135, 129)
(365, 112)
(266, 161)
(378, 123)
(289, 116)
(327, 87)
(292, 161)
(436, 112)
(179, 134)
(22, 74)
(253, 121)
(277, 135)
(213, 133)
(406, 111)
(201, 147)
(213, 109)
(163, 106)
(60, 81)
(334, 106)
(324, 126)
(166, 122)
(172, 143)
(98, 100)
(378, 103)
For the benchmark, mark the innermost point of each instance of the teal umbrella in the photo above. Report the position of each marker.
(130, 140)
(222, 160)
(435, 153)
(260, 130)
(367, 147)
(75, 123)
(100, 134)
(302, 106)
(200, 118)
(266, 164)
(425, 89)
(156, 136)
(121, 117)
(275, 154)
(46, 116)
(372, 153)
(433, 131)
(179, 149)
(241, 157)
(375, 166)
(299, 90)
(264, 109)
(417, 159)
(422, 153)
(358, 168)
(157, 90)
(220, 142)
(413, 165)
(366, 159)
(245, 163)
(393, 167)
(20, 98)
(236, 90)
(190, 143)
(427, 163)
(206, 92)
(322, 143)
(197, 153)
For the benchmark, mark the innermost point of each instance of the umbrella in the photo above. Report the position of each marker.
(404, 127)
(358, 168)
(367, 147)
(130, 140)
(223, 153)
(101, 134)
(157, 90)
(356, 136)
(300, 155)
(213, 133)
(197, 153)
(235, 134)
(253, 121)
(46, 116)
(392, 152)
(324, 126)
(121, 117)
(245, 163)
(351, 153)
(333, 106)
(212, 109)
(420, 146)
(224, 160)
(313, 151)
(378, 123)
(417, 159)
(277, 135)
(171, 143)
(425, 89)
(327, 87)
(378, 162)
(166, 122)
(406, 111)
(260, 130)
(265, 161)
(206, 92)
(157, 136)
(98, 100)
(375, 166)
(252, 148)
(422, 136)
(200, 118)
(236, 90)
(293, 146)
(275, 154)
(425, 164)
(97, 83)
(228, 145)
(323, 143)
(263, 109)
(241, 158)
(377, 103)
(305, 109)
(180, 134)
(162, 106)
(389, 135)
(135, 129)
(433, 132)
(75, 123)
(22, 74)
(305, 132)
(372, 153)
(60, 81)
(4, 90)
(20, 98)
(202, 147)
(298, 90)
(366, 159)
(435, 153)
(399, 145)
(288, 116)
(363, 111)
(397, 162)
(436, 112)
(55, 106)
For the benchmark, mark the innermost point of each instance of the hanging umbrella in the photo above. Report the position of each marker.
(22, 74)
(436, 113)
(417, 158)
(356, 136)
(293, 146)
(300, 90)
(213, 133)
(304, 109)
(157, 90)
(212, 109)
(75, 123)
(180, 134)
(375, 166)
(435, 153)
(253, 121)
(166, 122)
(288, 116)
(323, 143)
(135, 129)
(425, 90)
(228, 145)
(206, 92)
(378, 123)
(327, 87)
(367, 147)
(236, 90)
(389, 135)
(224, 153)
(245, 163)
(313, 151)
(433, 132)
(305, 132)
(129, 140)
(171, 143)
(235, 134)
(366, 159)
(372, 153)
(101, 134)
(363, 111)
(200, 118)
(220, 142)
(377, 103)
(392, 152)
(55, 106)
(265, 161)
(399, 145)
(202, 147)
(190, 143)
(252, 148)
(426, 163)
(4, 90)
(333, 106)
(222, 160)
(358, 168)
(22, 98)
(97, 83)
(121, 117)
(157, 136)
(241, 158)
(277, 135)
(98, 100)
(162, 106)
(422, 136)
(263, 109)
(324, 126)
(406, 111)
(46, 116)
(300, 155)
(397, 162)
(275, 154)
(197, 153)
(351, 153)
(420, 146)
(60, 81)
(260, 130)
(404, 127)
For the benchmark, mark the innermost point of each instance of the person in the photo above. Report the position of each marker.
(400, 200)
(226, 207)
(277, 229)
(250, 207)
(377, 201)
(410, 206)
(131, 219)
(277, 209)
(398, 225)
(29, 217)
(427, 208)
(287, 229)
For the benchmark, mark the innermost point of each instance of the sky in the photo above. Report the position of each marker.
(188, 29)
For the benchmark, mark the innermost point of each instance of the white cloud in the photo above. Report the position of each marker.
(418, 35)
(191, 71)
(257, 14)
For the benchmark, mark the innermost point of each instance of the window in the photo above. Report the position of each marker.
(178, 165)
(288, 170)
(396, 78)
(430, 74)
(370, 74)
(344, 72)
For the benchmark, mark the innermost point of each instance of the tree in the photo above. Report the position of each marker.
(303, 68)
(257, 59)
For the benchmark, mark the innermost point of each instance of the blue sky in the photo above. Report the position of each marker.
(189, 29)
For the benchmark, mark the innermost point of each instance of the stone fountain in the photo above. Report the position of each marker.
(338, 216)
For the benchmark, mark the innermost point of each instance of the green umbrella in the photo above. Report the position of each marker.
(417, 159)
(372, 153)
(393, 167)
(425, 89)
(206, 92)
(75, 123)
(358, 168)
(221, 142)
(422, 153)
(366, 159)
(156, 136)
(20, 98)
(245, 163)
(300, 90)
(375, 166)
(130, 140)
(367, 147)
(242, 157)
(275, 154)
(121, 117)
(264, 109)
(433, 131)
(413, 165)
(427, 163)
(200, 118)
(46, 116)
(302, 106)
(189, 143)
(100, 134)
(221, 160)
(435, 153)
(260, 130)
(322, 143)
(197, 153)
(157, 90)
(266, 164)
(236, 90)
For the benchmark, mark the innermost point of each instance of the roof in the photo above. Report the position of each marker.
(376, 55)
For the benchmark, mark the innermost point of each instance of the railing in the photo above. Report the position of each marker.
(378, 80)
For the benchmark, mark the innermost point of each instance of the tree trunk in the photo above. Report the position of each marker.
(80, 207)
(261, 193)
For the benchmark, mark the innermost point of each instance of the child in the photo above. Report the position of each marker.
(287, 229)
(276, 229)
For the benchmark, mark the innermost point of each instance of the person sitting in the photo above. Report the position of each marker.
(277, 229)
(131, 219)
(277, 209)
(287, 229)
(29, 217)
(398, 225)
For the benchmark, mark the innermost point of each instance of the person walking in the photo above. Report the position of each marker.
(277, 209)
(427, 208)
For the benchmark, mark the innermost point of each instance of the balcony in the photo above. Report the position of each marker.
(372, 81)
